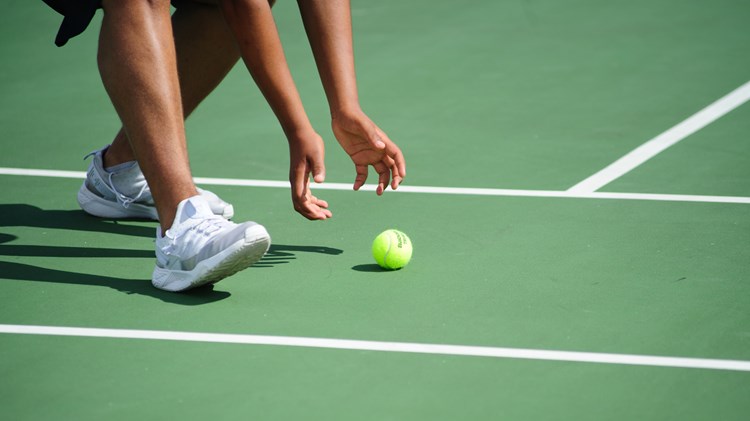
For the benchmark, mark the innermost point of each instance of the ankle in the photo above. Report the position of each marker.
(111, 157)
(119, 152)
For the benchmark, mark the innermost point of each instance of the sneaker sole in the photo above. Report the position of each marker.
(95, 205)
(238, 256)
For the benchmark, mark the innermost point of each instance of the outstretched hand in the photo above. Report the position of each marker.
(307, 155)
(367, 146)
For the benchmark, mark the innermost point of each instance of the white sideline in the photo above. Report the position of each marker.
(661, 142)
(360, 345)
(419, 189)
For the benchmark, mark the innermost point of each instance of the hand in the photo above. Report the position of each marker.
(367, 145)
(306, 157)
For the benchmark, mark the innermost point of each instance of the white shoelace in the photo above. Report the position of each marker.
(204, 227)
(125, 200)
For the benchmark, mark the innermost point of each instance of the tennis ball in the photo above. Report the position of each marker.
(392, 249)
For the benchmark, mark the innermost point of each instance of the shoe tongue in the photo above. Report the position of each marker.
(194, 207)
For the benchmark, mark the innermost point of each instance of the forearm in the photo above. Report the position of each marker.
(252, 23)
(329, 28)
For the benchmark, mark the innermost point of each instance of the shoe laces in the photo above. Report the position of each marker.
(125, 201)
(188, 237)
(204, 227)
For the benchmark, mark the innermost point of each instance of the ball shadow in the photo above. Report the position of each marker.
(372, 267)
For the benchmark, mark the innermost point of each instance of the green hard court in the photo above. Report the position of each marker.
(500, 107)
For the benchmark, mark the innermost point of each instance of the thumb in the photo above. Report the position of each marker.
(318, 170)
(373, 137)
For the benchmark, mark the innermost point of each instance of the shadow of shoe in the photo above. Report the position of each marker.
(24, 272)
(15, 215)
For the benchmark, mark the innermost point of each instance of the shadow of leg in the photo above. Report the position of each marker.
(23, 272)
(22, 215)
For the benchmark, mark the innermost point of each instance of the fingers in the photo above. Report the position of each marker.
(387, 170)
(392, 166)
(367, 146)
(361, 177)
(384, 174)
(304, 202)
(399, 163)
(396, 177)
(320, 202)
(314, 209)
(298, 177)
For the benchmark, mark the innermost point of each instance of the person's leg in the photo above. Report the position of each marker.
(138, 65)
(206, 52)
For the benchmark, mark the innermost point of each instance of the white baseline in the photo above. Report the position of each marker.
(360, 345)
(661, 142)
(470, 191)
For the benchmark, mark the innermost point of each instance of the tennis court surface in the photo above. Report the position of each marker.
(578, 195)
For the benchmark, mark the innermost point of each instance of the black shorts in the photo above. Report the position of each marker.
(77, 15)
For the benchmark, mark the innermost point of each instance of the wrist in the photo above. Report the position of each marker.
(296, 128)
(300, 134)
(346, 111)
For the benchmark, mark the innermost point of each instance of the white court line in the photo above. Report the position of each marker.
(359, 345)
(661, 142)
(420, 189)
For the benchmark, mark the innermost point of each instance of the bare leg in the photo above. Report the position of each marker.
(138, 66)
(206, 52)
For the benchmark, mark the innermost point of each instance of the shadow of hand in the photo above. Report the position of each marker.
(280, 254)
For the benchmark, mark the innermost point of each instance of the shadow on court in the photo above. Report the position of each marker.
(65, 251)
(23, 215)
(369, 268)
(280, 254)
(24, 272)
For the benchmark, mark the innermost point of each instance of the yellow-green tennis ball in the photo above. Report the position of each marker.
(392, 249)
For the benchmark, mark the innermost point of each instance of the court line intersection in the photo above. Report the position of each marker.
(586, 189)
(658, 144)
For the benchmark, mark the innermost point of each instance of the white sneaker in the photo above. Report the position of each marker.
(124, 193)
(202, 248)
